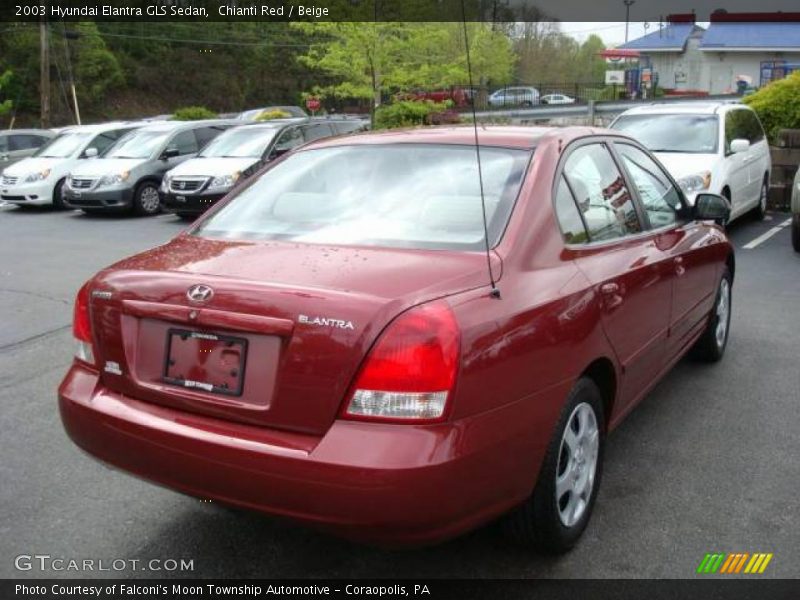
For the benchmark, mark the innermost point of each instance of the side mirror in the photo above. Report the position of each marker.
(739, 145)
(169, 153)
(90, 152)
(276, 152)
(711, 207)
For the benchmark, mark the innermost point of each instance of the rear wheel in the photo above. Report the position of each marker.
(711, 346)
(796, 232)
(760, 211)
(557, 512)
(145, 199)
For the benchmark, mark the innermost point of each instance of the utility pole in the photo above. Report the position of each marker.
(44, 74)
(627, 4)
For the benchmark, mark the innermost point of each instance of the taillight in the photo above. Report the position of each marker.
(410, 372)
(82, 326)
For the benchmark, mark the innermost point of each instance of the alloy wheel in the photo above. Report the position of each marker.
(577, 464)
(148, 198)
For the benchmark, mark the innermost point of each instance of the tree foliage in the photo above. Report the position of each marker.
(548, 56)
(5, 105)
(193, 113)
(778, 105)
(373, 60)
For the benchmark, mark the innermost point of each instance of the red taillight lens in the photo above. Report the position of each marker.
(82, 326)
(411, 370)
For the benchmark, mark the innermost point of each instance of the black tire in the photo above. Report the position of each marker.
(538, 523)
(796, 232)
(760, 211)
(145, 199)
(709, 348)
(58, 195)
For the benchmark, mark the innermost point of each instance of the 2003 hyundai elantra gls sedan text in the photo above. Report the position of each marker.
(327, 345)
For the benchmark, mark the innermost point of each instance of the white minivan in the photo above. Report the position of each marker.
(716, 147)
(39, 180)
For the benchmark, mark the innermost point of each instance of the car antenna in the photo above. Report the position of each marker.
(495, 293)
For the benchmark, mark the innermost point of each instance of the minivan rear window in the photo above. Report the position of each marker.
(396, 195)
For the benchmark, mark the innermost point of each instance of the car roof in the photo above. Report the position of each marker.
(176, 125)
(691, 108)
(27, 131)
(507, 136)
(98, 127)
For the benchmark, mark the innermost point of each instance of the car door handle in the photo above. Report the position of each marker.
(609, 289)
(679, 268)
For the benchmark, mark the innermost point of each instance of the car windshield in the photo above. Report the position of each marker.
(138, 144)
(693, 134)
(240, 143)
(64, 145)
(393, 195)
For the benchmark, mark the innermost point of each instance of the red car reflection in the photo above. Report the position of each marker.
(325, 344)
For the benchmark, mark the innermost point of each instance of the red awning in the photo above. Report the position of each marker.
(619, 53)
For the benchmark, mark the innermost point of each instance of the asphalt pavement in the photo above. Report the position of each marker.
(709, 462)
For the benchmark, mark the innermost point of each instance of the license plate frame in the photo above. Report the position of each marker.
(180, 198)
(175, 374)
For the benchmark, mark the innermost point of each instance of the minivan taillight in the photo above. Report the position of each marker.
(410, 372)
(82, 327)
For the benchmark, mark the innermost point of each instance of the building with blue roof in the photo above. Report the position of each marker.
(753, 49)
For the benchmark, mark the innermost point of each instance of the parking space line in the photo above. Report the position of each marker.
(764, 237)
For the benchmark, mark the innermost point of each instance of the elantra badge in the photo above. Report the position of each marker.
(325, 322)
(200, 293)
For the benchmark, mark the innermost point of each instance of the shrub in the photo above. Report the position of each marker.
(193, 113)
(268, 115)
(408, 113)
(777, 105)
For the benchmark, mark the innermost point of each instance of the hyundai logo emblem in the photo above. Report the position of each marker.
(199, 293)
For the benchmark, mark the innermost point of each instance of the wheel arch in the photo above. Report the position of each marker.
(602, 372)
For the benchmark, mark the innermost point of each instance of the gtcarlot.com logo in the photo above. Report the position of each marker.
(46, 562)
(734, 563)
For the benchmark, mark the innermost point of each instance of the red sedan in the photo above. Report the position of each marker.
(345, 342)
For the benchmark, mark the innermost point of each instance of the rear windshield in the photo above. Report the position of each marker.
(693, 134)
(399, 195)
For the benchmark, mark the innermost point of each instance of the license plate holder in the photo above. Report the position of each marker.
(180, 198)
(205, 361)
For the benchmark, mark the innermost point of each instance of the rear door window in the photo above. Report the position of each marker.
(185, 142)
(316, 132)
(601, 193)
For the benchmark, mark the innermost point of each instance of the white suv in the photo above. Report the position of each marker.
(716, 147)
(40, 179)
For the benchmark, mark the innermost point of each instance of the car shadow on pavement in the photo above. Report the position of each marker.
(226, 542)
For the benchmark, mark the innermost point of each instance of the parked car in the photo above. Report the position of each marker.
(254, 113)
(16, 144)
(796, 212)
(193, 186)
(514, 96)
(717, 147)
(129, 174)
(335, 344)
(557, 99)
(39, 180)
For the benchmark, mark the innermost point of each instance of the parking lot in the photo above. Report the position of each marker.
(707, 463)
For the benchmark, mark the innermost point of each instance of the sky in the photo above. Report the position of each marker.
(613, 34)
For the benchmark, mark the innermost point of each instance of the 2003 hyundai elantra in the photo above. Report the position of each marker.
(327, 344)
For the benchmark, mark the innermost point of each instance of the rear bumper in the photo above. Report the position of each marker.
(191, 203)
(393, 485)
(113, 199)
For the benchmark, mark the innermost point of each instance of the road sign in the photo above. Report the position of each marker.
(615, 77)
(313, 104)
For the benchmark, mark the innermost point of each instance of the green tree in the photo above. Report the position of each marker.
(778, 105)
(372, 60)
(97, 70)
(5, 105)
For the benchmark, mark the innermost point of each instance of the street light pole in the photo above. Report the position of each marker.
(627, 4)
